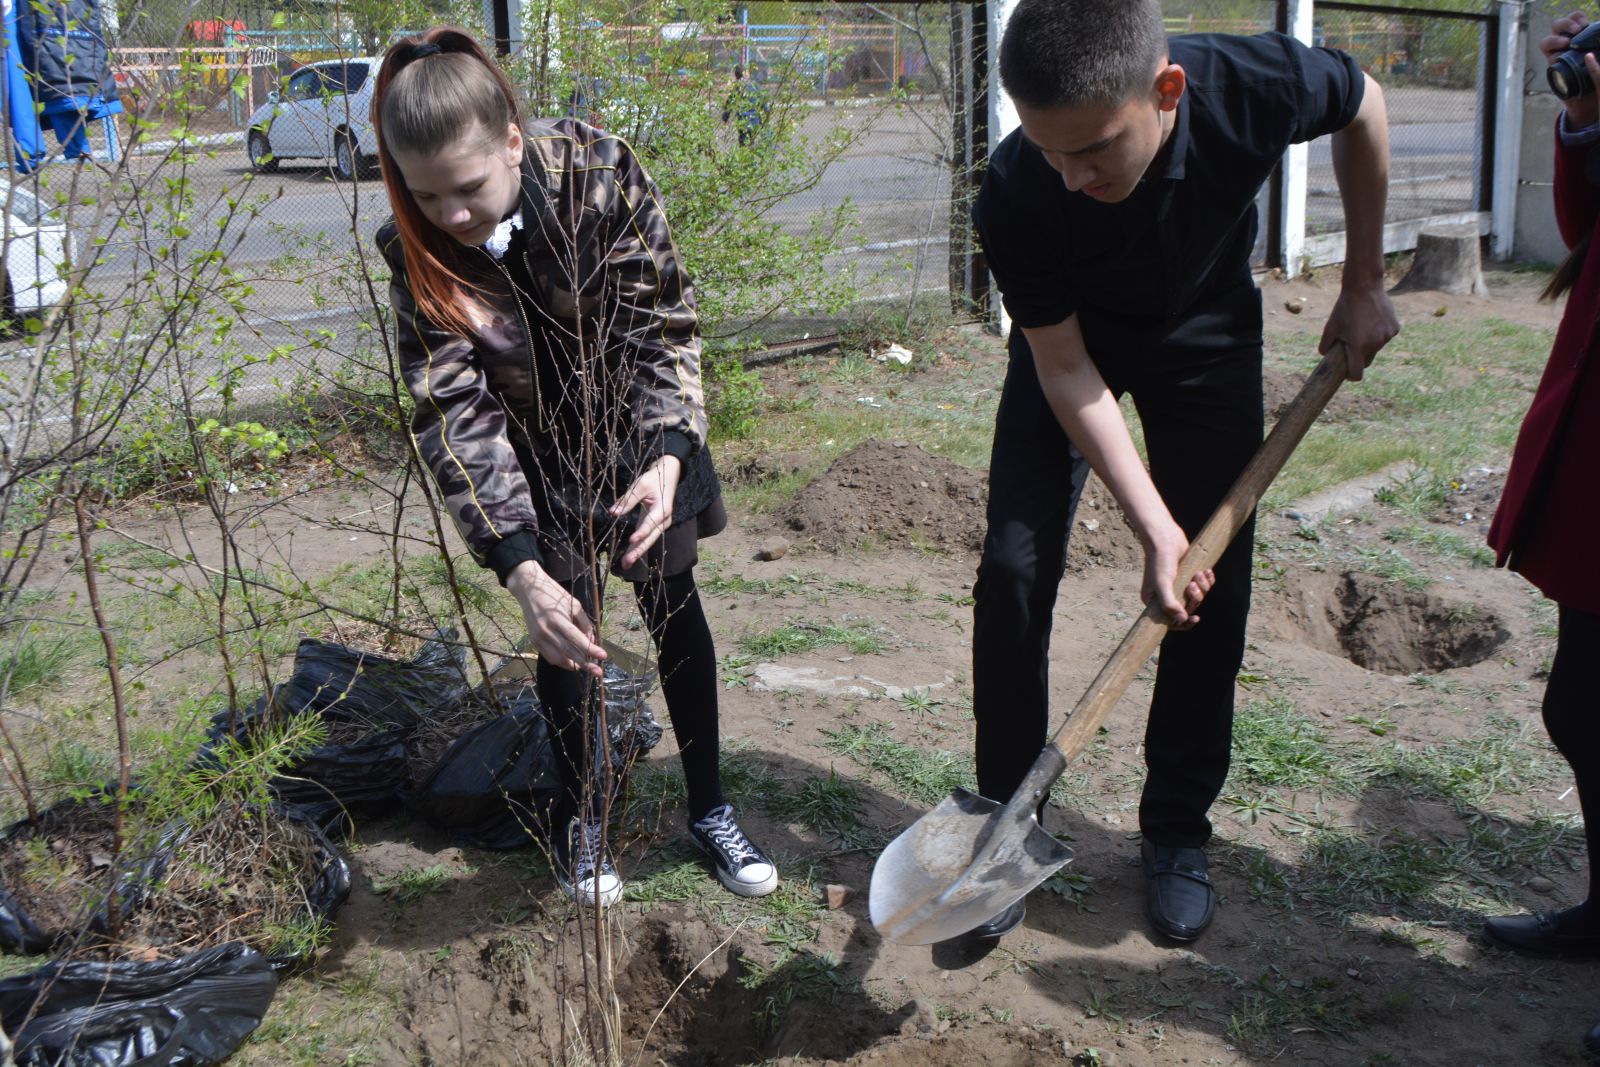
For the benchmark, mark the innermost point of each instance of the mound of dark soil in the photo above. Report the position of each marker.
(897, 493)
(1383, 626)
(891, 492)
(1350, 403)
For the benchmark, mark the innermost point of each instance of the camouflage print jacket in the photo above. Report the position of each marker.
(543, 415)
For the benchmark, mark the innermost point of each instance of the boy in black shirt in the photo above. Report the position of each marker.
(1119, 222)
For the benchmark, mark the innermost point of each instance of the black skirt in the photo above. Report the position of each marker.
(675, 551)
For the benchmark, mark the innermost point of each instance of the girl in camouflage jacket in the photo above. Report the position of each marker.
(548, 334)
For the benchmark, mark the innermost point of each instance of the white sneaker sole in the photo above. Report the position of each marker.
(749, 889)
(601, 900)
(746, 888)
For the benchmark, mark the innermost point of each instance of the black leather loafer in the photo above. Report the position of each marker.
(1180, 898)
(1540, 934)
(1591, 1045)
(1003, 923)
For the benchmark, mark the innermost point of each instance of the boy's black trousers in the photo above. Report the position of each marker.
(1202, 419)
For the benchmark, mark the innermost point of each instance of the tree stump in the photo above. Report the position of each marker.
(1447, 261)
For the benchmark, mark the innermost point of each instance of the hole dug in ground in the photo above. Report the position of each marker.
(1382, 625)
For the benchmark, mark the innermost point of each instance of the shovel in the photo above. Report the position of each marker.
(970, 857)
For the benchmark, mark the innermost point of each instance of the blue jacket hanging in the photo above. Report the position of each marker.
(66, 55)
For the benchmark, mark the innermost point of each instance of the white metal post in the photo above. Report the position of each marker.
(1507, 147)
(1002, 114)
(1296, 162)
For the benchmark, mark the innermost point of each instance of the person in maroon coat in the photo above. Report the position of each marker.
(1545, 526)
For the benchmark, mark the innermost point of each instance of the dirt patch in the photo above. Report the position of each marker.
(765, 467)
(1380, 625)
(897, 493)
(711, 1019)
(1348, 404)
(1472, 499)
(1101, 537)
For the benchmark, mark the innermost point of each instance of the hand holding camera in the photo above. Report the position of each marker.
(1574, 70)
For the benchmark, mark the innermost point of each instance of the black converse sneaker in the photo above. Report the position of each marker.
(741, 866)
(583, 869)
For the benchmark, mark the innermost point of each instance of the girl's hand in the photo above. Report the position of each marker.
(1161, 558)
(559, 628)
(1583, 110)
(655, 488)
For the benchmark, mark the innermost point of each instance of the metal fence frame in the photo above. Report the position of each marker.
(1499, 115)
(1288, 248)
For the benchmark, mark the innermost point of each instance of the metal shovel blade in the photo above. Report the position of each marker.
(958, 866)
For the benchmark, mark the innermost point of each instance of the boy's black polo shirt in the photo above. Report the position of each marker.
(1170, 265)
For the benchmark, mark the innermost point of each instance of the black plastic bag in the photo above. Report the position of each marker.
(346, 684)
(373, 702)
(495, 784)
(193, 1010)
(21, 934)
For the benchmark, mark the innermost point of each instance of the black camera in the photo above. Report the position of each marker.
(1567, 74)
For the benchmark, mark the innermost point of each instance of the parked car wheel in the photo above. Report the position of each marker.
(262, 161)
(346, 160)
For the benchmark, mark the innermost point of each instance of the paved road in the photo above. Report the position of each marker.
(896, 178)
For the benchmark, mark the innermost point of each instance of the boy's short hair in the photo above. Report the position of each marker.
(1072, 53)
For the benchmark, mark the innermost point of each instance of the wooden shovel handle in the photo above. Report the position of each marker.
(1114, 678)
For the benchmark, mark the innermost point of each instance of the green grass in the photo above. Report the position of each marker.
(795, 638)
(409, 886)
(831, 807)
(1454, 392)
(1392, 566)
(35, 661)
(73, 764)
(681, 879)
(923, 777)
(1443, 544)
(130, 555)
(1274, 746)
(1467, 772)
(1276, 1003)
(345, 1018)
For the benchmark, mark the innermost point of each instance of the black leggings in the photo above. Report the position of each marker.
(1572, 715)
(688, 668)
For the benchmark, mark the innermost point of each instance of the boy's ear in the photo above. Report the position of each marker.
(1170, 84)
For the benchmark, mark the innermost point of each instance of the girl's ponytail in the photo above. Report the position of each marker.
(431, 88)
(1566, 275)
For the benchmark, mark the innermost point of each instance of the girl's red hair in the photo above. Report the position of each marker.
(433, 257)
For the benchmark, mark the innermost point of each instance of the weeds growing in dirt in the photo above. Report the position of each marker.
(921, 777)
(1391, 566)
(410, 886)
(796, 638)
(1442, 543)
(1274, 746)
(832, 807)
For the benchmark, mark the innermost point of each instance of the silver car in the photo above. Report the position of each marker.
(323, 112)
